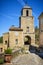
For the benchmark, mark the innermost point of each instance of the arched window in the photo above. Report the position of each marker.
(5, 41)
(27, 13)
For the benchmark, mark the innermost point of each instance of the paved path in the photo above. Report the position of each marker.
(26, 59)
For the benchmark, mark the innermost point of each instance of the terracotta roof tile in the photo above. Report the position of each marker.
(12, 28)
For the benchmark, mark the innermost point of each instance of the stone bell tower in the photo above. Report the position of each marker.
(27, 24)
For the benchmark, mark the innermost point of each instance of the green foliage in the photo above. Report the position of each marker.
(36, 28)
(1, 39)
(23, 49)
(15, 54)
(8, 51)
(1, 60)
(37, 35)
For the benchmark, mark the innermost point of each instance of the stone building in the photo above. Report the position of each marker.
(24, 35)
(41, 29)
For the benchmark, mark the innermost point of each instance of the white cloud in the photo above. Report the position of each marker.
(21, 2)
(8, 16)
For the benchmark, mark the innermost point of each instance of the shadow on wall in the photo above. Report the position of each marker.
(36, 50)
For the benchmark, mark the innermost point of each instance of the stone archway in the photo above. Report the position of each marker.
(27, 40)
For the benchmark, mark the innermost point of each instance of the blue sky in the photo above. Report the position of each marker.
(10, 10)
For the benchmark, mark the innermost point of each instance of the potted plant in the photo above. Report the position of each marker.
(8, 55)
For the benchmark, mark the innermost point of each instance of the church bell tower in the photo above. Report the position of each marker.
(27, 24)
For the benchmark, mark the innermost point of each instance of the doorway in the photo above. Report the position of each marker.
(27, 40)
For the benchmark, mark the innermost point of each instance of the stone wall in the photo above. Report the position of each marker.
(13, 35)
(1, 48)
(5, 40)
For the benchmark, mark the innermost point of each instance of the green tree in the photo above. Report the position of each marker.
(36, 35)
(1, 39)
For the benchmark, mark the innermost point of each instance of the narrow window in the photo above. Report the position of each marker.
(1, 49)
(41, 30)
(6, 42)
(27, 13)
(16, 41)
(27, 29)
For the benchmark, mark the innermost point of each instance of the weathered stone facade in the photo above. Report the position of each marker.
(16, 37)
(27, 23)
(41, 29)
(1, 47)
(13, 36)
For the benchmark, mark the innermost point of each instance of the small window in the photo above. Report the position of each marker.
(27, 13)
(1, 49)
(41, 30)
(27, 29)
(16, 41)
(5, 42)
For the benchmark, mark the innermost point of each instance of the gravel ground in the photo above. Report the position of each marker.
(26, 59)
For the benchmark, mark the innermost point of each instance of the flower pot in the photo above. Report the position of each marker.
(8, 58)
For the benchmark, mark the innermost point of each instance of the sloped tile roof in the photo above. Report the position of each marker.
(12, 28)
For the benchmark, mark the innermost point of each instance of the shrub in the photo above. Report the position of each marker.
(8, 51)
(1, 60)
(1, 39)
(15, 54)
(23, 49)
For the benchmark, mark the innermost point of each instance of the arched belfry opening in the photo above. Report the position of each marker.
(27, 40)
(27, 12)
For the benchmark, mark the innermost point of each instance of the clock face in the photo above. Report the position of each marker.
(16, 33)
